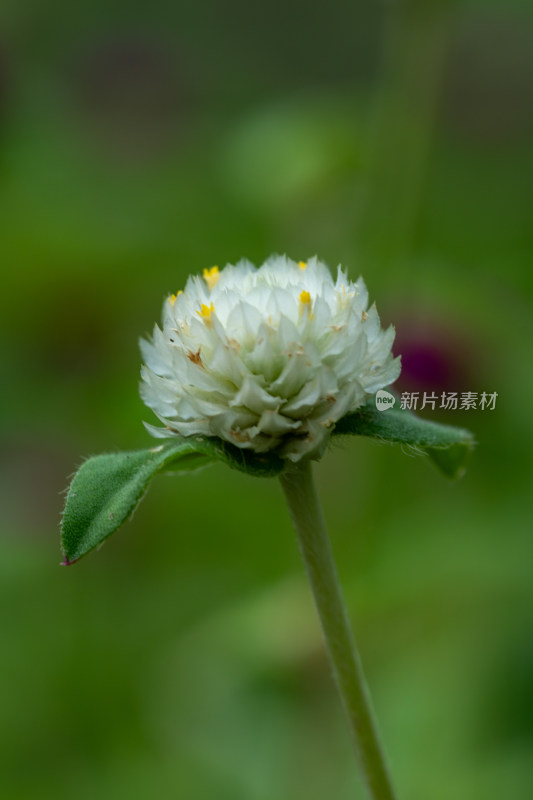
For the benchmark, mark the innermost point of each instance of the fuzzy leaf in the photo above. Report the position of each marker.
(107, 488)
(446, 445)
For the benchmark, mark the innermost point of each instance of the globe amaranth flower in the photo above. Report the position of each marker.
(267, 359)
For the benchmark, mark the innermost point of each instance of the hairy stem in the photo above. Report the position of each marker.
(316, 551)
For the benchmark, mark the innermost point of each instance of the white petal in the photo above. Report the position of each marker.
(252, 396)
(267, 358)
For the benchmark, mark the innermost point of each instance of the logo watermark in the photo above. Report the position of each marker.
(384, 400)
(449, 401)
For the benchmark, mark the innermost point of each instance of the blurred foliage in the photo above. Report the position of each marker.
(138, 145)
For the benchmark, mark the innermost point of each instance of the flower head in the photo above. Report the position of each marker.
(267, 359)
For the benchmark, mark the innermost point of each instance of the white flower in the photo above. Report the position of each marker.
(268, 358)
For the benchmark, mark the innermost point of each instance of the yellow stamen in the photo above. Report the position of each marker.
(205, 312)
(172, 298)
(302, 264)
(211, 277)
(305, 302)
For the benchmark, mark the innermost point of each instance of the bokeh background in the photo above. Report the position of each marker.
(140, 144)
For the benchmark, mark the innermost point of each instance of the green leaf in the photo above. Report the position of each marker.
(107, 488)
(447, 446)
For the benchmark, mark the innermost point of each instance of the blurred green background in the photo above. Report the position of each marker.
(140, 144)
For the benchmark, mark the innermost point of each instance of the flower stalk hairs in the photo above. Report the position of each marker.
(260, 368)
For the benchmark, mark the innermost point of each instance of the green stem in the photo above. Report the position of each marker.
(315, 547)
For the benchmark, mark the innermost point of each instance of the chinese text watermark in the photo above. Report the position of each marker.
(449, 401)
